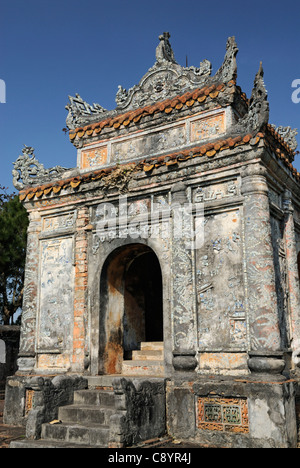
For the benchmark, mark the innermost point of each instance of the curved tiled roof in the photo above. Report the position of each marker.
(188, 99)
(147, 165)
(269, 135)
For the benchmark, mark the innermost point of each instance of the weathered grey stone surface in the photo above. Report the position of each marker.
(46, 395)
(271, 407)
(133, 411)
(141, 404)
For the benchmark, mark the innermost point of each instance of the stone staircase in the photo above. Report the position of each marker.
(87, 422)
(149, 360)
(84, 424)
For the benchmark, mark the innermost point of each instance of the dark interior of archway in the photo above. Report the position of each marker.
(143, 303)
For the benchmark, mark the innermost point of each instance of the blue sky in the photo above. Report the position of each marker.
(53, 48)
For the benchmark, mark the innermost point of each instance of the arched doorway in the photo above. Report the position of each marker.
(131, 304)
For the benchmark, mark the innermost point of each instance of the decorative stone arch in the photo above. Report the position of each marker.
(131, 304)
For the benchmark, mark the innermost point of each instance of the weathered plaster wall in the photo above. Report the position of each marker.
(233, 413)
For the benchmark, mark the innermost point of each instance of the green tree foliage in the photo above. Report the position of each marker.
(4, 196)
(13, 241)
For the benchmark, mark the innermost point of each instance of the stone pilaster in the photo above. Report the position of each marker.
(292, 275)
(27, 355)
(80, 353)
(183, 306)
(265, 344)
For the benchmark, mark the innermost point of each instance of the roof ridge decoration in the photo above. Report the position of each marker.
(79, 111)
(164, 51)
(288, 135)
(166, 79)
(28, 169)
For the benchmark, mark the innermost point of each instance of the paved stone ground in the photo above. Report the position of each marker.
(169, 443)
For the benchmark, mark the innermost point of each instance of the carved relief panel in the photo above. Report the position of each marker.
(150, 143)
(281, 280)
(220, 285)
(208, 127)
(56, 294)
(94, 158)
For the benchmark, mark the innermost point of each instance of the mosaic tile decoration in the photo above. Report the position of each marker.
(223, 414)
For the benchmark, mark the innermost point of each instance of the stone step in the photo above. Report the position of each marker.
(101, 381)
(152, 346)
(148, 355)
(91, 434)
(103, 398)
(84, 414)
(143, 368)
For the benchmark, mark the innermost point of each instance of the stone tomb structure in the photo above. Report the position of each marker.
(166, 264)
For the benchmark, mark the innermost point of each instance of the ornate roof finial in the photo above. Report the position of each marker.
(164, 52)
(259, 107)
(78, 109)
(28, 171)
(228, 70)
(258, 113)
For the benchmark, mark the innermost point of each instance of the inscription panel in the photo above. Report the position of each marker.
(219, 191)
(223, 414)
(57, 223)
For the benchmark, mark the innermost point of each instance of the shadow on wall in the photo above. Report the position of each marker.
(9, 349)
